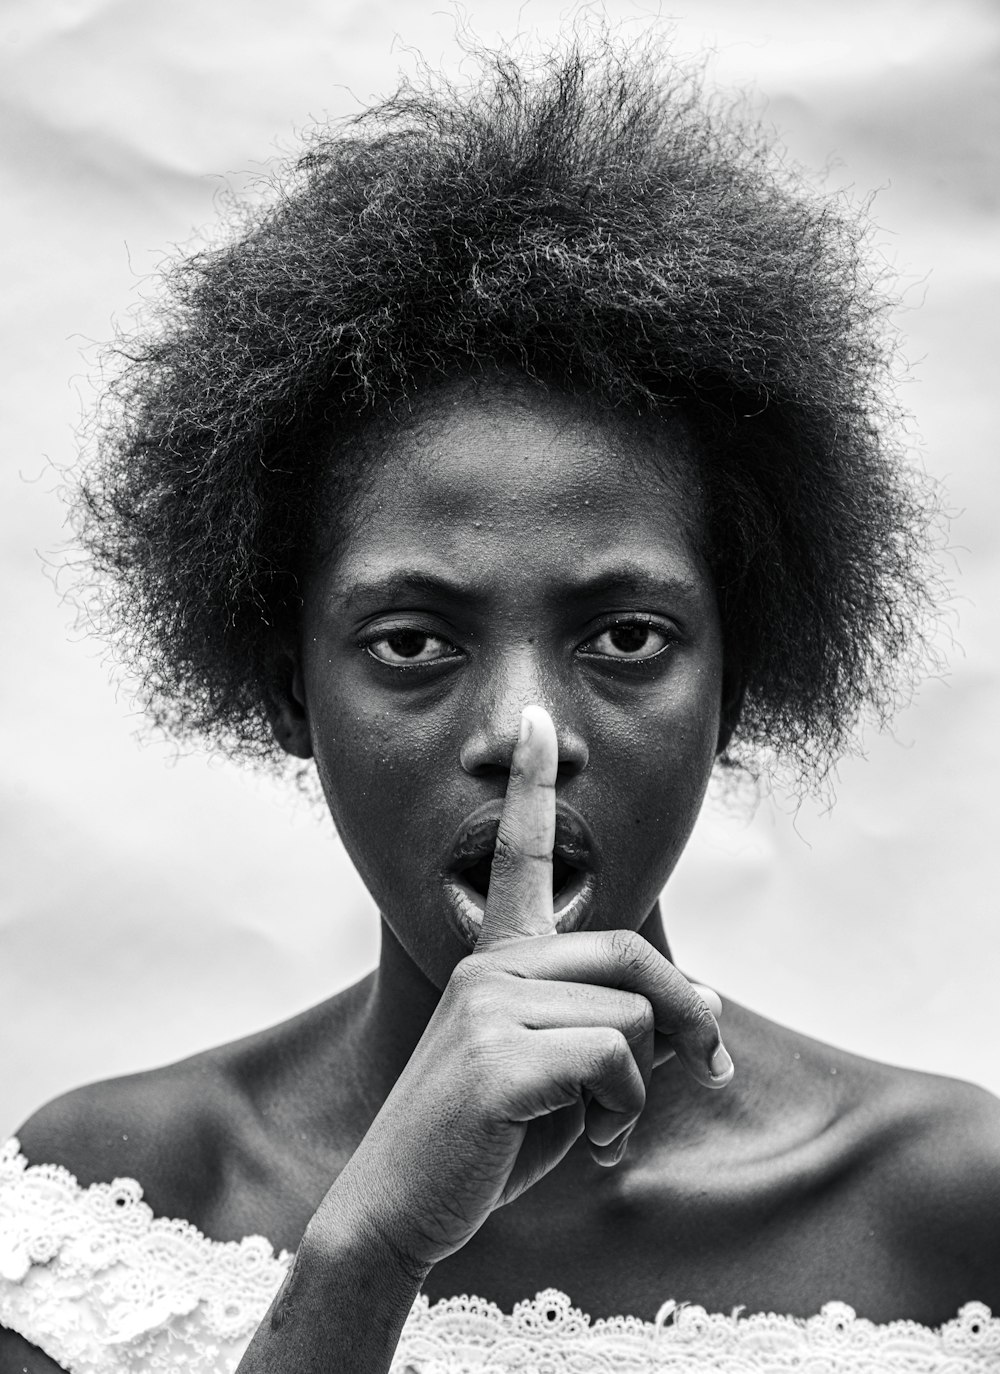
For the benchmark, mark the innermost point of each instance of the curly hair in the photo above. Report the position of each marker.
(591, 220)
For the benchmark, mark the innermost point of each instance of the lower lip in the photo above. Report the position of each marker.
(466, 907)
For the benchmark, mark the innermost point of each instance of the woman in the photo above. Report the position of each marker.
(527, 461)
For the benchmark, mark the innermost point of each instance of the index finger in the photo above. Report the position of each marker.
(519, 900)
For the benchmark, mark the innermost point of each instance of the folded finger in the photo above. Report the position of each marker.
(684, 1015)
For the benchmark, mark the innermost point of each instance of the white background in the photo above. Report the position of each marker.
(152, 905)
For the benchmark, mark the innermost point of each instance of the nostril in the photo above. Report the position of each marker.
(487, 752)
(574, 754)
(485, 767)
(481, 756)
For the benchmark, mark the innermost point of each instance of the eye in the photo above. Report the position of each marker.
(628, 640)
(406, 647)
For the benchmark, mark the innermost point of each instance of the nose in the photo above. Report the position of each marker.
(489, 745)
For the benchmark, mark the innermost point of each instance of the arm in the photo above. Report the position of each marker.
(538, 1039)
(343, 1305)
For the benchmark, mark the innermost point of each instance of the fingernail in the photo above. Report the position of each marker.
(721, 1065)
(525, 732)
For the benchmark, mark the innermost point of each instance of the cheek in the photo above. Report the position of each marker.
(668, 736)
(376, 767)
(658, 766)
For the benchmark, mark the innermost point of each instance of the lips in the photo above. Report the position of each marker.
(467, 874)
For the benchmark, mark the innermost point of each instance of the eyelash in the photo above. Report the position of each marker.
(396, 631)
(661, 628)
(664, 630)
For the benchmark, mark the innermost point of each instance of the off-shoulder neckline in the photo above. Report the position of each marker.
(120, 1200)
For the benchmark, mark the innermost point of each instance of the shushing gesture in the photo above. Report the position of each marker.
(537, 1039)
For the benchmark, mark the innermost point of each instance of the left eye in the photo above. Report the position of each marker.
(404, 647)
(629, 640)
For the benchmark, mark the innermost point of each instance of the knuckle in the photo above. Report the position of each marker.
(700, 1021)
(466, 974)
(479, 1048)
(613, 1044)
(642, 1019)
(628, 950)
(471, 989)
(489, 1051)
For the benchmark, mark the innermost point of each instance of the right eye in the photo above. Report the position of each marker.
(410, 647)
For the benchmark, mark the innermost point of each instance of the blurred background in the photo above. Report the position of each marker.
(152, 904)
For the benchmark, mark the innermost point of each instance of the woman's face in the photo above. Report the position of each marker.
(511, 548)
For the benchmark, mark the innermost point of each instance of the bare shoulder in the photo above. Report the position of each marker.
(933, 1141)
(943, 1138)
(163, 1128)
(933, 1163)
(176, 1130)
(226, 1139)
(907, 1164)
(171, 1129)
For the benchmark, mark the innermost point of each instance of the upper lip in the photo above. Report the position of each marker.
(476, 837)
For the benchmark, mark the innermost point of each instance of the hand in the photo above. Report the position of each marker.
(537, 1039)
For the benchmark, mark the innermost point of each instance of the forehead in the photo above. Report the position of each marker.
(507, 473)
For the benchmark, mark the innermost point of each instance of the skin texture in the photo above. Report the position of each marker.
(454, 1121)
(525, 509)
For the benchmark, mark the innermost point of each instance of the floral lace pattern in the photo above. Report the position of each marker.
(90, 1276)
(550, 1336)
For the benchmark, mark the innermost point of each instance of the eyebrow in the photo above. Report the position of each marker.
(627, 579)
(635, 579)
(408, 582)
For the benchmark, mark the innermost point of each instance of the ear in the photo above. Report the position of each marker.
(287, 709)
(733, 692)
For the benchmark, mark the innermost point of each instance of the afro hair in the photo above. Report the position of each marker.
(593, 221)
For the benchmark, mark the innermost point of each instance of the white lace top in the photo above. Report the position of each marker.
(91, 1277)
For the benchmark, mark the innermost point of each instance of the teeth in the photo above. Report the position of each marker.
(470, 909)
(566, 916)
(472, 906)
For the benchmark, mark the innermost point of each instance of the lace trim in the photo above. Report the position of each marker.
(93, 1278)
(549, 1336)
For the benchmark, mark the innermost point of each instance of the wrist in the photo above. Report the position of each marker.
(344, 1303)
(346, 1234)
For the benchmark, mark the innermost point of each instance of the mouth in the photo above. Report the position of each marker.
(467, 877)
(477, 876)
